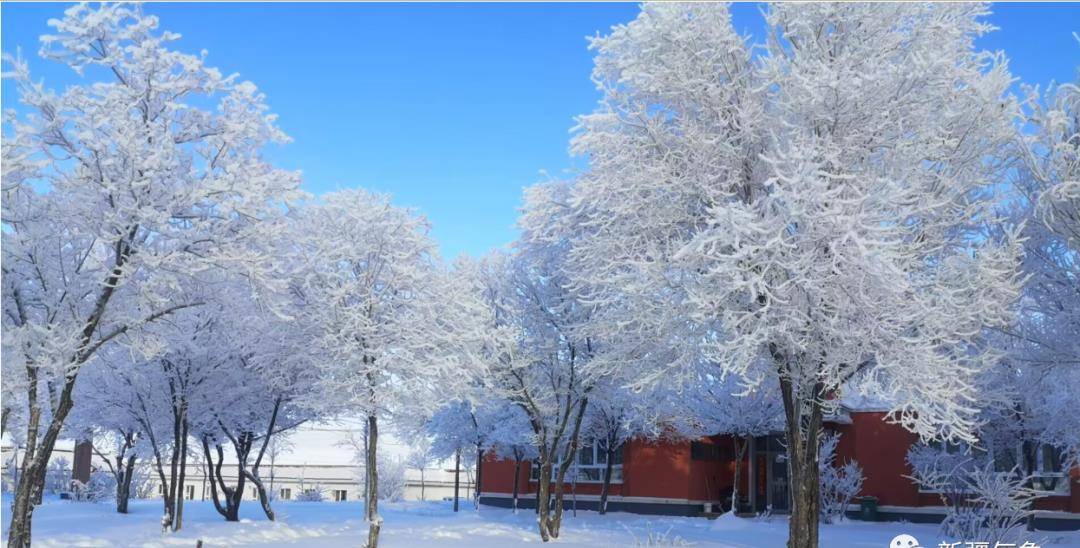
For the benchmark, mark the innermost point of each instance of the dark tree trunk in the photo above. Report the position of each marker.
(740, 452)
(253, 473)
(568, 458)
(159, 466)
(804, 415)
(517, 479)
(182, 475)
(123, 483)
(457, 477)
(479, 469)
(374, 521)
(606, 487)
(22, 508)
(543, 499)
(231, 497)
(264, 497)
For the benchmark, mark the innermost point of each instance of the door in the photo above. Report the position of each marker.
(776, 462)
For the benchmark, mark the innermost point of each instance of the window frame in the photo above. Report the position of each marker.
(1061, 487)
(598, 463)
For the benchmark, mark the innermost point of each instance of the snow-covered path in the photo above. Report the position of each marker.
(63, 524)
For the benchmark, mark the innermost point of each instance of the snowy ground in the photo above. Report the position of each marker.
(59, 523)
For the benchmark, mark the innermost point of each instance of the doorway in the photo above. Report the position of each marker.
(769, 475)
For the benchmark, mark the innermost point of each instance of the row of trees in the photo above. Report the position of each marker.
(186, 293)
(857, 207)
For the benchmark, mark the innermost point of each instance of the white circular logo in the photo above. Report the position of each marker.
(904, 541)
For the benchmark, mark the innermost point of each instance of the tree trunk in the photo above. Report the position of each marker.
(422, 484)
(543, 499)
(804, 414)
(374, 521)
(536, 507)
(517, 481)
(183, 473)
(555, 522)
(479, 469)
(159, 465)
(264, 497)
(22, 508)
(606, 487)
(253, 474)
(740, 451)
(457, 477)
(568, 459)
(123, 484)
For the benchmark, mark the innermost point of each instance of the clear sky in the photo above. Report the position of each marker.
(452, 108)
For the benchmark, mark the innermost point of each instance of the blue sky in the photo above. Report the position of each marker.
(452, 108)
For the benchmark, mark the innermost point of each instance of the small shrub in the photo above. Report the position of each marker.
(981, 502)
(839, 484)
(311, 494)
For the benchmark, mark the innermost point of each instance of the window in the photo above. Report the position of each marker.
(161, 490)
(589, 466)
(189, 492)
(705, 451)
(1047, 471)
(285, 493)
(340, 495)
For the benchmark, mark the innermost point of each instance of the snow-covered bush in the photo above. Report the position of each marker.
(981, 502)
(656, 538)
(58, 477)
(142, 484)
(311, 494)
(839, 484)
(102, 486)
(391, 479)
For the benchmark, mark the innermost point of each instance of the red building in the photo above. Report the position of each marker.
(680, 478)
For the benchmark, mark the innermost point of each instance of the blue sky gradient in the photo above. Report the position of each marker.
(452, 108)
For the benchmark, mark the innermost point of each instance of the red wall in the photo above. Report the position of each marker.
(665, 469)
(650, 469)
(656, 469)
(881, 450)
(498, 476)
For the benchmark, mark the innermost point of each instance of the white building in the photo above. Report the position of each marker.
(320, 456)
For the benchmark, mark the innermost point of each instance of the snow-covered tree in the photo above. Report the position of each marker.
(114, 189)
(512, 438)
(107, 407)
(392, 481)
(536, 352)
(714, 405)
(268, 381)
(420, 458)
(377, 306)
(1044, 347)
(840, 482)
(459, 429)
(821, 205)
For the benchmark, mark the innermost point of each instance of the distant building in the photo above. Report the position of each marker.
(318, 457)
(680, 478)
